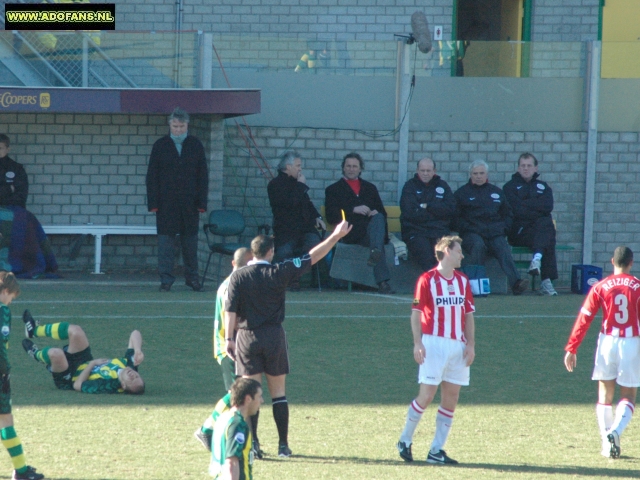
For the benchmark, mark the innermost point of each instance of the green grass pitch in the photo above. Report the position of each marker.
(353, 376)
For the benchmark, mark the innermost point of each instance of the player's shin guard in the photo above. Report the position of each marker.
(281, 417)
(13, 445)
(57, 331)
(254, 425)
(624, 412)
(444, 420)
(413, 418)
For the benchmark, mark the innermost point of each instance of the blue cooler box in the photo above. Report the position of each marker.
(583, 277)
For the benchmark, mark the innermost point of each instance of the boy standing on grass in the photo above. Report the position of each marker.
(9, 289)
(618, 353)
(443, 330)
(231, 455)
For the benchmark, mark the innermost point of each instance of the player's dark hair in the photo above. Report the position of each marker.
(528, 155)
(9, 282)
(241, 388)
(4, 139)
(444, 243)
(261, 245)
(353, 155)
(622, 257)
(427, 158)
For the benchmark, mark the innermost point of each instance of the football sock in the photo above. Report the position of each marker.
(624, 412)
(42, 356)
(207, 426)
(254, 426)
(604, 414)
(58, 331)
(444, 420)
(13, 445)
(413, 418)
(222, 406)
(537, 256)
(281, 416)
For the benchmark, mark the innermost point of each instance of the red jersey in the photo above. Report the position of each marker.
(443, 303)
(619, 298)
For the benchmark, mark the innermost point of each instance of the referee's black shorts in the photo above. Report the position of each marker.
(263, 350)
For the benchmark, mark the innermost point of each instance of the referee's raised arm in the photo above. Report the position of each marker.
(318, 252)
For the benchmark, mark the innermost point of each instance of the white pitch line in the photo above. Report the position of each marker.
(208, 302)
(402, 317)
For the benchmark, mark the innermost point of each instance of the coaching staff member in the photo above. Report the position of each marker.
(255, 305)
(177, 189)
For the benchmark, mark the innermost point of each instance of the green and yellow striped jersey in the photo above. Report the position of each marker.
(231, 438)
(104, 378)
(219, 339)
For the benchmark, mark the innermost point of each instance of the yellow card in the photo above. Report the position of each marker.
(343, 217)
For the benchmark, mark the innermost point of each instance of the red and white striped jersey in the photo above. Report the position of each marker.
(619, 298)
(443, 303)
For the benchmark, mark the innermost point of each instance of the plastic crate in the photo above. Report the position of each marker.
(583, 277)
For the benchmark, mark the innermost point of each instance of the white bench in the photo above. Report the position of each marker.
(98, 231)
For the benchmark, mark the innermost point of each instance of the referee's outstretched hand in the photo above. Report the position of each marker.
(342, 229)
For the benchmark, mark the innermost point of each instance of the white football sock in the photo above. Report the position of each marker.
(604, 414)
(624, 412)
(413, 418)
(444, 420)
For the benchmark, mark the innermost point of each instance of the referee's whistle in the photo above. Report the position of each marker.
(343, 216)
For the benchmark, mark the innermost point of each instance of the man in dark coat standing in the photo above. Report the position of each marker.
(295, 219)
(177, 189)
(532, 202)
(427, 207)
(363, 209)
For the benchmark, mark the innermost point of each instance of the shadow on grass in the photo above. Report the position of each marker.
(535, 469)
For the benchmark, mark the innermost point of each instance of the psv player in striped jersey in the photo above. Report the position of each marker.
(443, 345)
(618, 353)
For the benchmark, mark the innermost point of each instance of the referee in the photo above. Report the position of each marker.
(255, 307)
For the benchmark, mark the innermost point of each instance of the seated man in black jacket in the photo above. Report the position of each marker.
(14, 184)
(532, 202)
(362, 207)
(295, 219)
(483, 218)
(427, 207)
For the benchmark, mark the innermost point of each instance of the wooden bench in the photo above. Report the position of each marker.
(99, 231)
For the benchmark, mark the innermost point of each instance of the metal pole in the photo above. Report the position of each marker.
(593, 72)
(206, 60)
(85, 62)
(404, 117)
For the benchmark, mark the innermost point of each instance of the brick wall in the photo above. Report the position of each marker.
(562, 157)
(92, 169)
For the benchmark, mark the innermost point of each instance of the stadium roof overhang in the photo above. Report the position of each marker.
(229, 102)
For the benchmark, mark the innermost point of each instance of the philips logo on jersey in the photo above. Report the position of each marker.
(449, 300)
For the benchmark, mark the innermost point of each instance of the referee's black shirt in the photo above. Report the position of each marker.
(257, 292)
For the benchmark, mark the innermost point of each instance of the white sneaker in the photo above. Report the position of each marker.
(534, 267)
(546, 288)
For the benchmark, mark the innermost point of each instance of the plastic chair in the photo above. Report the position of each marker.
(223, 223)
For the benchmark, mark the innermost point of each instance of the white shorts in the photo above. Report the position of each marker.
(444, 361)
(618, 358)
